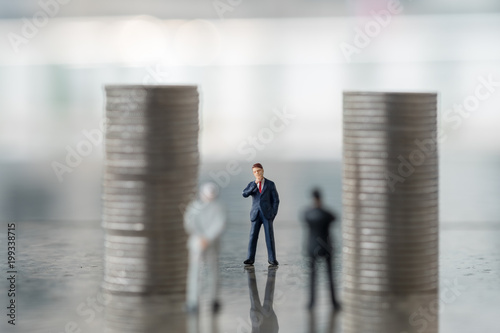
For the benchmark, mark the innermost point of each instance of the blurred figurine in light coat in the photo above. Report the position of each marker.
(204, 221)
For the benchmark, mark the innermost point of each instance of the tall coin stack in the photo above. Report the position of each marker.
(390, 212)
(151, 171)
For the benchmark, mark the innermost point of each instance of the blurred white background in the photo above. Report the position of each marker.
(252, 60)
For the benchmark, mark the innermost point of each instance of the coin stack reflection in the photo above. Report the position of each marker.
(151, 171)
(390, 211)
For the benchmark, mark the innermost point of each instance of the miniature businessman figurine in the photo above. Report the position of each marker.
(318, 221)
(204, 221)
(265, 202)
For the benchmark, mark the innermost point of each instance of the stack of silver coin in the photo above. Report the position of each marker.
(390, 212)
(151, 171)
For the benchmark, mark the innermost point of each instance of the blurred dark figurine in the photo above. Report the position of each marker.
(318, 221)
(204, 221)
(265, 202)
(263, 317)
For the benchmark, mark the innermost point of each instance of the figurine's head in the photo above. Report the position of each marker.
(209, 192)
(316, 194)
(258, 171)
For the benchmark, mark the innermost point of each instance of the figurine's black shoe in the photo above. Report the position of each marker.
(248, 262)
(273, 263)
(337, 307)
(216, 307)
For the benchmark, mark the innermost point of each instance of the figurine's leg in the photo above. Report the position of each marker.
(269, 231)
(254, 237)
(193, 280)
(213, 277)
(330, 278)
(312, 281)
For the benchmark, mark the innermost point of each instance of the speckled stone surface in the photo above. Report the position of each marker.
(60, 269)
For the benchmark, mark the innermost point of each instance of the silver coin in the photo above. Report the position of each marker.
(406, 239)
(397, 205)
(147, 108)
(381, 214)
(135, 165)
(371, 183)
(135, 123)
(137, 262)
(380, 132)
(147, 226)
(398, 227)
(172, 211)
(141, 205)
(403, 150)
(167, 177)
(152, 202)
(170, 140)
(113, 90)
(358, 115)
(425, 153)
(352, 177)
(148, 152)
(390, 278)
(432, 262)
(124, 172)
(350, 193)
(151, 245)
(391, 281)
(353, 191)
(390, 229)
(390, 164)
(144, 227)
(141, 209)
(404, 97)
(166, 138)
(176, 156)
(387, 252)
(385, 285)
(117, 184)
(392, 243)
(388, 105)
(145, 223)
(142, 129)
(153, 157)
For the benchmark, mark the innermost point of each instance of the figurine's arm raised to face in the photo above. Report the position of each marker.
(251, 188)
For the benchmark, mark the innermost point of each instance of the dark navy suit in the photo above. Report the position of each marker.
(319, 247)
(264, 210)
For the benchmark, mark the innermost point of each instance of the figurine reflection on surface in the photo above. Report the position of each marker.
(210, 324)
(318, 221)
(263, 317)
(331, 326)
(204, 221)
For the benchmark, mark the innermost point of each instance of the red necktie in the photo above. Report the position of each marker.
(260, 187)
